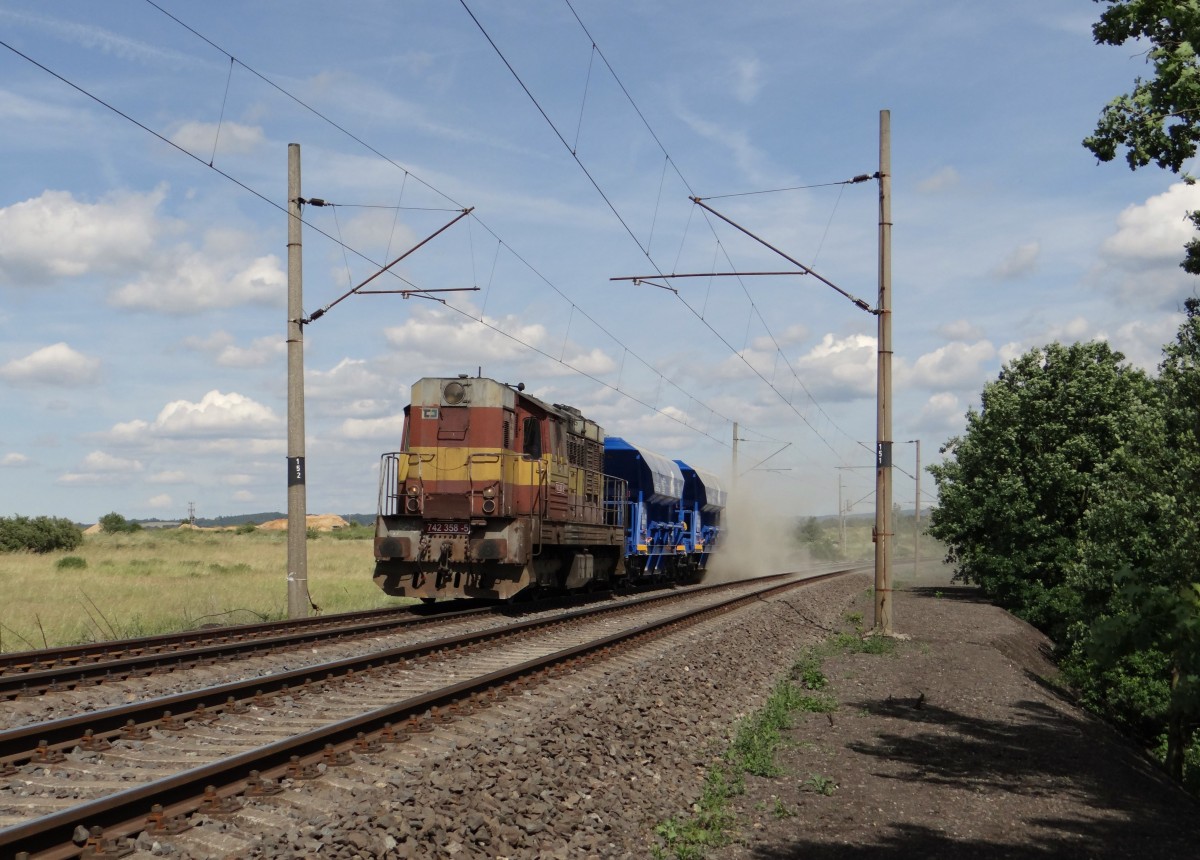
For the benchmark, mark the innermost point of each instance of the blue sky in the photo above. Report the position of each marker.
(142, 293)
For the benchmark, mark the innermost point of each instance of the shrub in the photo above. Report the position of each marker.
(355, 531)
(71, 562)
(38, 534)
(114, 523)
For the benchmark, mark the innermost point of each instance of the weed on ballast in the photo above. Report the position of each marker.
(819, 784)
(689, 838)
(753, 748)
(807, 670)
(849, 643)
(752, 752)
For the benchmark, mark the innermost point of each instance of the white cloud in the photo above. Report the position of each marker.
(373, 428)
(232, 138)
(57, 365)
(746, 75)
(367, 408)
(184, 280)
(225, 420)
(956, 365)
(226, 353)
(943, 414)
(595, 361)
(100, 468)
(1141, 341)
(216, 414)
(15, 108)
(1074, 330)
(92, 37)
(788, 336)
(237, 480)
(239, 447)
(54, 236)
(171, 477)
(243, 496)
(1141, 259)
(90, 479)
(160, 501)
(960, 330)
(348, 379)
(101, 461)
(840, 368)
(748, 157)
(1022, 261)
(13, 459)
(942, 180)
(1155, 232)
(441, 337)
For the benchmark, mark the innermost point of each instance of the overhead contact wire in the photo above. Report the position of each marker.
(712, 228)
(437, 191)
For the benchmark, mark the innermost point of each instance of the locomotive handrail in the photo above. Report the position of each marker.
(389, 484)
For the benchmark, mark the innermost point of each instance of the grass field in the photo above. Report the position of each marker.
(149, 582)
(119, 586)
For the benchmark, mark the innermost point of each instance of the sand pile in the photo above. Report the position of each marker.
(320, 522)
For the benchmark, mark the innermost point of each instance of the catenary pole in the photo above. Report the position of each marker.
(917, 513)
(734, 477)
(297, 541)
(883, 451)
(841, 517)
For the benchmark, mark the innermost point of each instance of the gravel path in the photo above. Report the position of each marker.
(960, 744)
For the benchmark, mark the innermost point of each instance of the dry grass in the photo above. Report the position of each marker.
(152, 582)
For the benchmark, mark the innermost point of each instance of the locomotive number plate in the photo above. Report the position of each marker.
(447, 528)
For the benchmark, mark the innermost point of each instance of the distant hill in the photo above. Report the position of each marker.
(263, 517)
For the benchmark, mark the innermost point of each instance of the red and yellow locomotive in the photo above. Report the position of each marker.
(495, 492)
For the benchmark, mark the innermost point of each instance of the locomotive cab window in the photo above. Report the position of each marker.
(533, 439)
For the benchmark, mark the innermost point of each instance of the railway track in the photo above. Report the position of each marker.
(29, 674)
(141, 769)
(32, 673)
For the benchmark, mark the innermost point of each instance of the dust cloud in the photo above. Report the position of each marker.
(757, 539)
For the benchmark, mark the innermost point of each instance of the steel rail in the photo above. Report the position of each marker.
(165, 643)
(151, 654)
(126, 813)
(39, 741)
(37, 681)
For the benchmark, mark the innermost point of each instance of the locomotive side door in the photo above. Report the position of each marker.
(558, 497)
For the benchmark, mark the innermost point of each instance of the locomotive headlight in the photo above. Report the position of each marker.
(454, 393)
(489, 493)
(413, 490)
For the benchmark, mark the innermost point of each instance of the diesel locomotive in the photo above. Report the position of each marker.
(496, 493)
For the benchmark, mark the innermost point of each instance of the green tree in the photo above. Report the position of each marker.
(38, 534)
(1159, 119)
(1163, 621)
(114, 523)
(814, 538)
(1015, 487)
(1144, 533)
